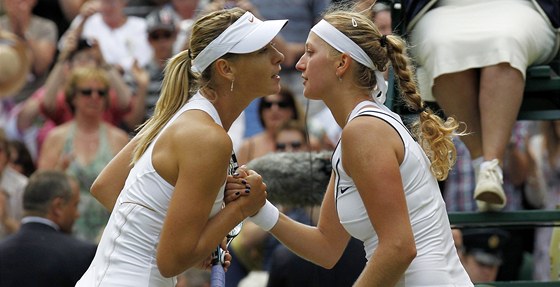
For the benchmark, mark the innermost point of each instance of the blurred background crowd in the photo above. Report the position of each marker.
(77, 77)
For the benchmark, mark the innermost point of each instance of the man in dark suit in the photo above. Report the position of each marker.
(42, 252)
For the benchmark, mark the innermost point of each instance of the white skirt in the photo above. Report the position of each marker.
(458, 35)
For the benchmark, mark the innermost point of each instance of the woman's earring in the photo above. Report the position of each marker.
(339, 77)
(231, 88)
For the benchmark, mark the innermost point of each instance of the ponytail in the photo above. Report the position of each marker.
(432, 133)
(175, 92)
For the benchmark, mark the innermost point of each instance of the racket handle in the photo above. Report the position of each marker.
(218, 276)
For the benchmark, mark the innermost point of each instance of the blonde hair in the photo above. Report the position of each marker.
(433, 133)
(81, 74)
(179, 83)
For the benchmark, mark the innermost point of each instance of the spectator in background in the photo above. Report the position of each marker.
(38, 33)
(542, 189)
(121, 38)
(14, 67)
(162, 33)
(85, 145)
(46, 108)
(380, 14)
(302, 15)
(291, 137)
(476, 72)
(12, 184)
(184, 13)
(20, 158)
(483, 250)
(459, 186)
(273, 111)
(61, 12)
(42, 252)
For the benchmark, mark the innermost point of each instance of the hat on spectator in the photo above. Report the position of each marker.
(486, 245)
(160, 20)
(15, 64)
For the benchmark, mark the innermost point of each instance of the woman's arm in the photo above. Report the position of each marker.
(373, 163)
(322, 245)
(109, 183)
(197, 169)
(51, 155)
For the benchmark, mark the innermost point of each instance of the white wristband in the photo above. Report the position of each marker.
(267, 216)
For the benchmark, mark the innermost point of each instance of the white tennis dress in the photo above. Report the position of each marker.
(437, 263)
(126, 255)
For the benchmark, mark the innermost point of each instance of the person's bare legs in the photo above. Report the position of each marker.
(490, 115)
(457, 95)
(501, 93)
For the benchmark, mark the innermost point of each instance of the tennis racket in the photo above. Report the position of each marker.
(218, 275)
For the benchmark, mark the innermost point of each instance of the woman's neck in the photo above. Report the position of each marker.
(87, 124)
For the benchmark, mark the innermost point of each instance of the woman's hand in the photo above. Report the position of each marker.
(254, 195)
(237, 185)
(206, 264)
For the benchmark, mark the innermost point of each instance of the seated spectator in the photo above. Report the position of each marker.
(483, 253)
(84, 145)
(12, 184)
(42, 253)
(40, 36)
(273, 111)
(476, 72)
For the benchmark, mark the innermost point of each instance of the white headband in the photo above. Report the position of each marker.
(343, 44)
(245, 35)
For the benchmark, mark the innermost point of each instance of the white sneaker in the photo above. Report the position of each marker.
(489, 187)
(485, 206)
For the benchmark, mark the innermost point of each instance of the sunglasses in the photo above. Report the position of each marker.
(160, 35)
(282, 146)
(281, 104)
(89, 92)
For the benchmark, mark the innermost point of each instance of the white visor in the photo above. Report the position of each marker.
(245, 35)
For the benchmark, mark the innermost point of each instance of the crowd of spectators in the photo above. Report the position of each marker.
(78, 77)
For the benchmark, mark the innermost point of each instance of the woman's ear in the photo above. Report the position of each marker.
(342, 64)
(224, 68)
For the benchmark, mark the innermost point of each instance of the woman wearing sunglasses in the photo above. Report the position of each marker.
(85, 145)
(274, 110)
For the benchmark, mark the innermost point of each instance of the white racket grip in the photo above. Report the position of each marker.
(267, 216)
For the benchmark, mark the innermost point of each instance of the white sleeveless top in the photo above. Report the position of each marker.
(126, 255)
(437, 262)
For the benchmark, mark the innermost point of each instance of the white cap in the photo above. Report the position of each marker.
(245, 35)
